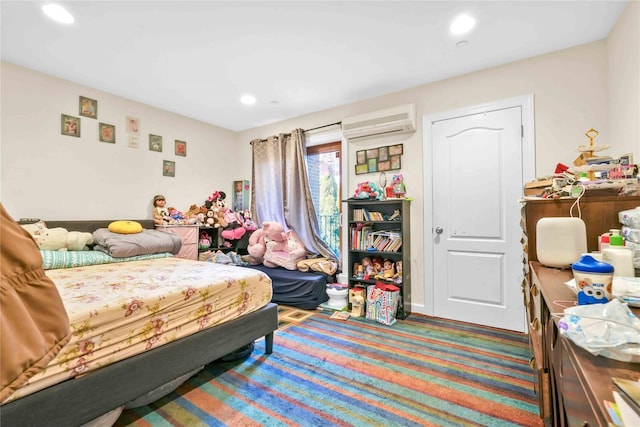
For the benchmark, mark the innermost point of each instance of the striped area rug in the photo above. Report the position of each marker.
(421, 371)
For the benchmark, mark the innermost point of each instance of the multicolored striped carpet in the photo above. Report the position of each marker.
(324, 372)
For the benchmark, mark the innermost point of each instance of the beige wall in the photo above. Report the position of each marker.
(623, 55)
(48, 175)
(571, 95)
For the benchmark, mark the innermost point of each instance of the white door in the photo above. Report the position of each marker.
(477, 254)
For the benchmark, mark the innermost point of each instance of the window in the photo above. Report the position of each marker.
(324, 171)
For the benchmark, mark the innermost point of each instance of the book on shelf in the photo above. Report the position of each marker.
(361, 214)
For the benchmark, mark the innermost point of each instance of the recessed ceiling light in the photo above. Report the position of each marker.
(58, 13)
(248, 99)
(462, 24)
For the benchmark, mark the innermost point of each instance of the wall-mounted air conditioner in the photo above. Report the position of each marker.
(389, 121)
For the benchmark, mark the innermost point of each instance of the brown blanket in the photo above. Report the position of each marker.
(34, 325)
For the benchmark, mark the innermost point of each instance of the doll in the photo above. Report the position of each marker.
(160, 212)
(358, 271)
(367, 266)
(388, 271)
(377, 265)
(397, 278)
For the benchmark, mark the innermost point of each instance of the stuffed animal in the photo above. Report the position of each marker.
(201, 219)
(283, 249)
(257, 246)
(357, 300)
(54, 239)
(176, 216)
(249, 225)
(234, 229)
(216, 199)
(368, 190)
(191, 215)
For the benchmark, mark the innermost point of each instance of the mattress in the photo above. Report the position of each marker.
(122, 309)
(295, 288)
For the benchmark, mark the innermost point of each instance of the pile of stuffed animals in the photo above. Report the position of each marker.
(214, 213)
(269, 245)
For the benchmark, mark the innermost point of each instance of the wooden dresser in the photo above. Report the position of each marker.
(599, 214)
(572, 383)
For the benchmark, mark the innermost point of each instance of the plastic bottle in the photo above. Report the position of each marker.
(619, 256)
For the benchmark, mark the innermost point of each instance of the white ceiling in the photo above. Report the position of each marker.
(197, 58)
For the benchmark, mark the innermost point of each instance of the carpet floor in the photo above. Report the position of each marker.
(421, 371)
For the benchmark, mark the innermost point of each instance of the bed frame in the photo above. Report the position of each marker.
(81, 399)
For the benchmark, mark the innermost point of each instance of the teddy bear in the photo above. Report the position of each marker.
(58, 238)
(191, 215)
(257, 246)
(283, 249)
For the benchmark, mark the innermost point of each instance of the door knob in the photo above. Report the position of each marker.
(439, 230)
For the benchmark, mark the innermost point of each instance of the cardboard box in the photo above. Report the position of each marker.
(536, 188)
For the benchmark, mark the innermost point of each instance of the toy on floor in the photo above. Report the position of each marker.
(357, 300)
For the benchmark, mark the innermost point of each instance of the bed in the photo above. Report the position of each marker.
(94, 392)
(305, 290)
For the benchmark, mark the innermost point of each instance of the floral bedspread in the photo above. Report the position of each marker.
(122, 309)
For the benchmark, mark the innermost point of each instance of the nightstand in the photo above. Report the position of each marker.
(189, 236)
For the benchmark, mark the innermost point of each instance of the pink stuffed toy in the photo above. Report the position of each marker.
(257, 246)
(282, 249)
(234, 229)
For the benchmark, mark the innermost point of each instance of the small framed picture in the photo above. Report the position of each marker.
(395, 149)
(88, 107)
(107, 133)
(383, 154)
(395, 162)
(133, 125)
(360, 169)
(181, 148)
(372, 154)
(70, 125)
(168, 168)
(361, 158)
(134, 141)
(384, 166)
(155, 143)
(372, 165)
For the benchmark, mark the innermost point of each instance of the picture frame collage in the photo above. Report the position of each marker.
(379, 159)
(71, 126)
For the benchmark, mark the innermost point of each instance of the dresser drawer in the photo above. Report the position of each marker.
(188, 235)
